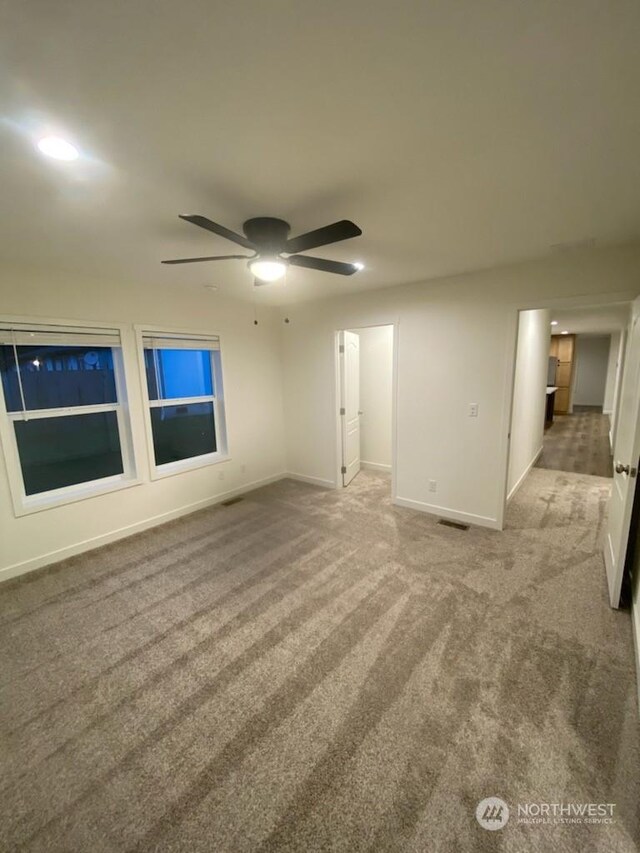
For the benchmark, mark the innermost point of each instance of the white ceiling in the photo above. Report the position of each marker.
(458, 135)
(597, 319)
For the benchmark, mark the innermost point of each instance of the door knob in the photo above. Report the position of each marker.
(622, 469)
(360, 413)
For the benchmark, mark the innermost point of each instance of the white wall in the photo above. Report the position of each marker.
(615, 409)
(376, 387)
(592, 360)
(529, 398)
(612, 371)
(252, 369)
(456, 346)
(615, 370)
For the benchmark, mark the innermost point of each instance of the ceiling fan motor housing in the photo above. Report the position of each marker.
(268, 238)
(268, 234)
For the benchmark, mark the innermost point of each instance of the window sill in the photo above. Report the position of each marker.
(183, 465)
(50, 500)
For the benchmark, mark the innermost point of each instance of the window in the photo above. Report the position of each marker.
(186, 424)
(65, 427)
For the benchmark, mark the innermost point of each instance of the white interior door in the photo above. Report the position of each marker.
(626, 453)
(350, 404)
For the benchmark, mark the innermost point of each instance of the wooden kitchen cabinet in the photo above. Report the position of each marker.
(563, 348)
(562, 401)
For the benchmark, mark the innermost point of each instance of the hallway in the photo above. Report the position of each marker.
(578, 443)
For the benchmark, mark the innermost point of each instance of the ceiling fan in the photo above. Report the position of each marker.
(269, 240)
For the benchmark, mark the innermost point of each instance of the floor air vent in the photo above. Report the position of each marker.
(231, 501)
(456, 524)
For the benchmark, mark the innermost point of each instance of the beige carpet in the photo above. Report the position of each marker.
(578, 443)
(311, 670)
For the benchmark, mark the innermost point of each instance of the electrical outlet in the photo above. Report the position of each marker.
(473, 410)
(221, 475)
(243, 469)
(433, 486)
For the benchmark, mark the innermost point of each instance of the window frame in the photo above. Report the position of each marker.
(221, 454)
(24, 504)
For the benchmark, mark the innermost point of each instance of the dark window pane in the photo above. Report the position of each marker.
(10, 379)
(58, 376)
(65, 451)
(150, 370)
(180, 432)
(175, 373)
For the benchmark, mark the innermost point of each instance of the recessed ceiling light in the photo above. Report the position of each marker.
(59, 149)
(554, 322)
(358, 265)
(565, 332)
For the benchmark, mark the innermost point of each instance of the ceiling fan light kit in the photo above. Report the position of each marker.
(269, 239)
(268, 269)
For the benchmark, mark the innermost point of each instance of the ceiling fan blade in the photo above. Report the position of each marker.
(203, 222)
(322, 264)
(212, 258)
(342, 230)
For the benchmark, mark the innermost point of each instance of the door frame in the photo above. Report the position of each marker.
(395, 324)
(592, 300)
(615, 406)
(349, 424)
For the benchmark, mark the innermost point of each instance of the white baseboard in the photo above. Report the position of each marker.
(121, 533)
(313, 481)
(450, 514)
(523, 476)
(635, 622)
(375, 466)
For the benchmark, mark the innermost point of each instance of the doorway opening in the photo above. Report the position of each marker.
(366, 402)
(574, 416)
(583, 379)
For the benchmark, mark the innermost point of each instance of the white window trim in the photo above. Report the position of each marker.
(170, 469)
(39, 414)
(24, 504)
